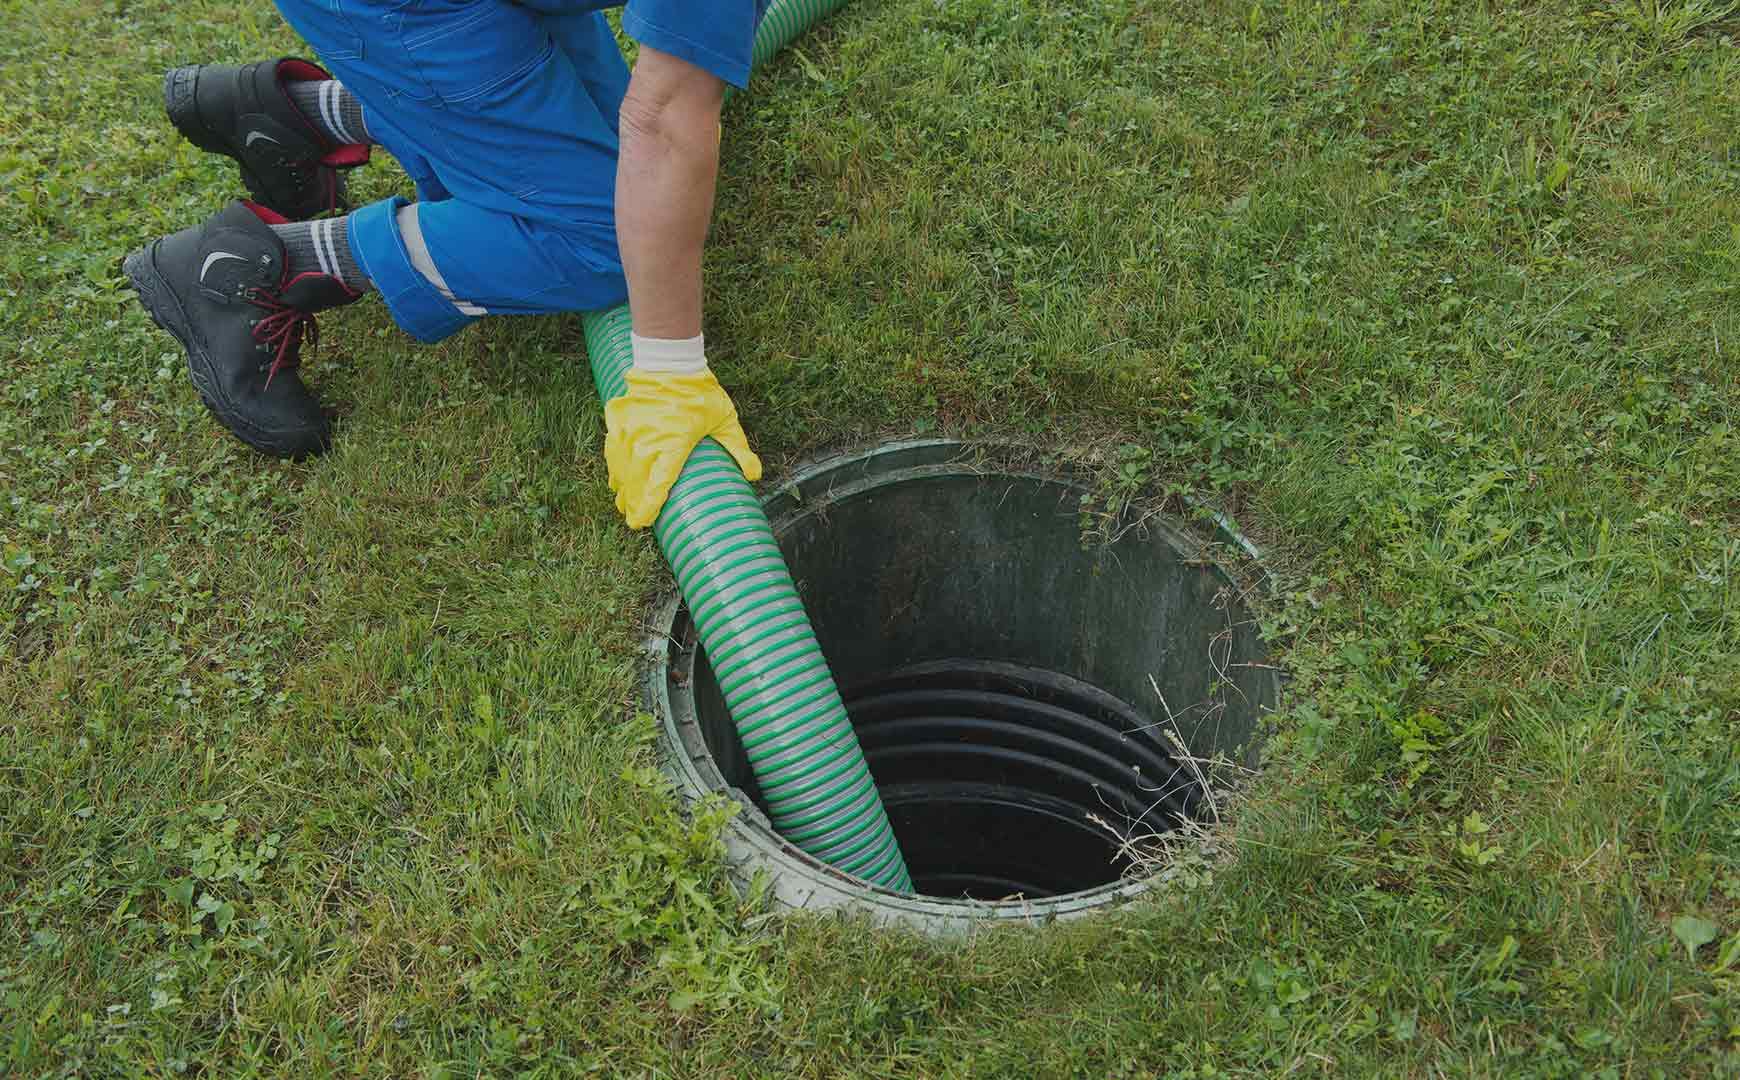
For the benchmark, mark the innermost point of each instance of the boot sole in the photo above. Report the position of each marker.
(180, 86)
(180, 101)
(160, 302)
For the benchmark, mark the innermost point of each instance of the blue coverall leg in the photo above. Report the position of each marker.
(505, 116)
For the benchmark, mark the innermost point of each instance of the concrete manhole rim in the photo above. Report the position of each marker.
(795, 879)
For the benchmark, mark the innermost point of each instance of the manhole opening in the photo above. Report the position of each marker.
(1035, 711)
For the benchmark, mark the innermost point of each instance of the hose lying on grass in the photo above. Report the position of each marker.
(776, 683)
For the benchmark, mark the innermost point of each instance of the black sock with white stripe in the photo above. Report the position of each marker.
(331, 108)
(322, 246)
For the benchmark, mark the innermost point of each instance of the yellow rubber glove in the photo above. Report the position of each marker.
(651, 428)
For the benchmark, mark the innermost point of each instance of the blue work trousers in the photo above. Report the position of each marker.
(505, 116)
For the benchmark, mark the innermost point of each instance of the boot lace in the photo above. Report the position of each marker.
(282, 331)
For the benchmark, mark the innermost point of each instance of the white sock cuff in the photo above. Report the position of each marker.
(679, 356)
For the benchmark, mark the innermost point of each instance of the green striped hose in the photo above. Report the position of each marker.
(776, 683)
(785, 20)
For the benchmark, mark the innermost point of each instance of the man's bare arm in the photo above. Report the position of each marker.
(666, 170)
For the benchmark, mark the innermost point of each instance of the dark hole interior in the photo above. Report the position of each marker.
(1004, 781)
(1005, 682)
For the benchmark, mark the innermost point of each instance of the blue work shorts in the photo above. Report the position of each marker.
(505, 116)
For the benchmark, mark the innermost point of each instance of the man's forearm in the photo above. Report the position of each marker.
(666, 170)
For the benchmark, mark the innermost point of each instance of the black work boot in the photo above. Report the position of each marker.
(224, 290)
(289, 163)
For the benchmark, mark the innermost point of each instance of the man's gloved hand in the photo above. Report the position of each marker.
(651, 428)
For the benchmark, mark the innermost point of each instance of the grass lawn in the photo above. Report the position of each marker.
(334, 768)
